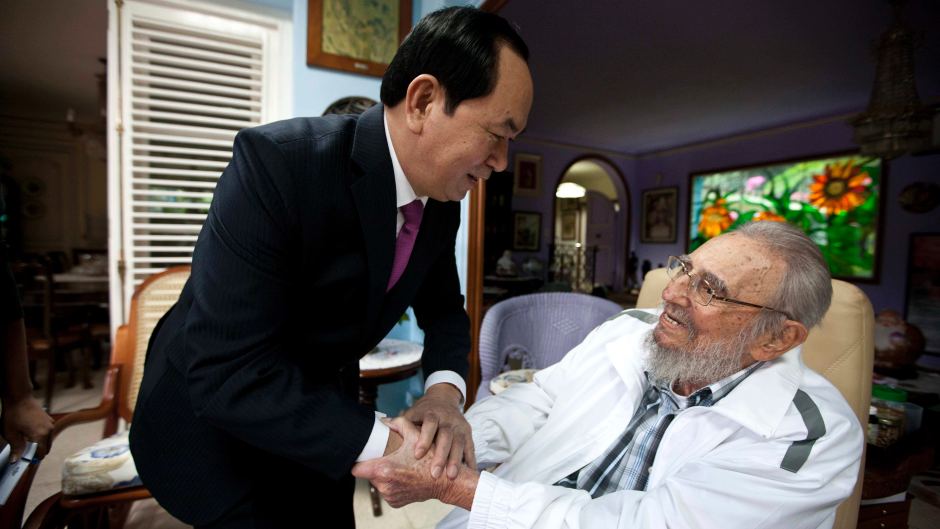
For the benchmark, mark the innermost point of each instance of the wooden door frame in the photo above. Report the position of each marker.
(475, 284)
(475, 262)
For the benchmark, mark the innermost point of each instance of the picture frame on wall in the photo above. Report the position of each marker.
(527, 175)
(659, 215)
(923, 287)
(836, 200)
(356, 36)
(526, 231)
(569, 225)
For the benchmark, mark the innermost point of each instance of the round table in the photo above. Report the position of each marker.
(390, 361)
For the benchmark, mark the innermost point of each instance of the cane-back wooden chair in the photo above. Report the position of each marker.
(100, 482)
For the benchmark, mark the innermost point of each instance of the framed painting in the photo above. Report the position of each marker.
(359, 36)
(923, 287)
(835, 200)
(569, 224)
(658, 215)
(527, 171)
(526, 231)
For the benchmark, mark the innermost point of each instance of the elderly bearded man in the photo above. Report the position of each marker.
(700, 414)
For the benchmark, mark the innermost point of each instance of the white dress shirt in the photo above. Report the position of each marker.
(404, 194)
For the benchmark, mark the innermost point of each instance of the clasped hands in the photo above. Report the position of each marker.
(415, 470)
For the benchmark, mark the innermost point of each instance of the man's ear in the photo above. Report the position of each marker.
(793, 334)
(423, 92)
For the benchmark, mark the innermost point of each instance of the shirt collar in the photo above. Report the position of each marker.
(711, 393)
(404, 193)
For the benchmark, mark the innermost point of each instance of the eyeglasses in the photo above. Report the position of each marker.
(702, 291)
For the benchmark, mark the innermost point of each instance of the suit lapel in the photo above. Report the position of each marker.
(374, 195)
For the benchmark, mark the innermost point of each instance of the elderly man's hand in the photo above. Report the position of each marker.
(23, 421)
(402, 479)
(443, 424)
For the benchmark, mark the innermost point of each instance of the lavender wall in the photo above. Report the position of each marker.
(672, 168)
(555, 161)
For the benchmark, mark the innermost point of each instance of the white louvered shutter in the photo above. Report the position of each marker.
(189, 81)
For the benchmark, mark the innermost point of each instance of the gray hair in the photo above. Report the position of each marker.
(805, 291)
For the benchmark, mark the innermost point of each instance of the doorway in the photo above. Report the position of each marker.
(591, 228)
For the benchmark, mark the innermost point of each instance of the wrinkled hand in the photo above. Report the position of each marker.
(443, 424)
(24, 420)
(402, 479)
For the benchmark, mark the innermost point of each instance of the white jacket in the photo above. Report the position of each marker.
(716, 466)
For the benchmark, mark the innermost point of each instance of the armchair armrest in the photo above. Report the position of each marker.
(106, 409)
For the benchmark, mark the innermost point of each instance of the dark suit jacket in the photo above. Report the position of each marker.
(251, 378)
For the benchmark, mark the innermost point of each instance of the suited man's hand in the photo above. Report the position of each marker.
(442, 424)
(402, 479)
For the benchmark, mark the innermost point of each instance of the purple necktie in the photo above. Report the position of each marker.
(412, 212)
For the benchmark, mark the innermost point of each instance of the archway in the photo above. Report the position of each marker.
(591, 227)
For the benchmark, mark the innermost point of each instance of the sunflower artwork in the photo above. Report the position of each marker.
(835, 201)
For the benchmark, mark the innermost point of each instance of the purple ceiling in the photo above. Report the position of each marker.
(638, 77)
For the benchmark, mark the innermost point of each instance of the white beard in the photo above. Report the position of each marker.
(698, 361)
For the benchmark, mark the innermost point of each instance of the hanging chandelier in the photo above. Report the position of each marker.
(895, 122)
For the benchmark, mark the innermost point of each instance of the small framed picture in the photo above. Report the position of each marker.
(658, 215)
(527, 170)
(569, 225)
(526, 231)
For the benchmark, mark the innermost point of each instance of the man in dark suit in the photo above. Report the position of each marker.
(248, 413)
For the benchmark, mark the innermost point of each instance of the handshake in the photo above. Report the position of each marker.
(415, 470)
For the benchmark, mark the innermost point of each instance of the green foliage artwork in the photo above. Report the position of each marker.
(834, 200)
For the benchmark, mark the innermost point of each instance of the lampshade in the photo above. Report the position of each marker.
(569, 190)
(895, 122)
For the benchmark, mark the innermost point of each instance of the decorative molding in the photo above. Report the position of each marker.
(706, 144)
(735, 138)
(573, 146)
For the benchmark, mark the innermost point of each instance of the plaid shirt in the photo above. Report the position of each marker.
(626, 464)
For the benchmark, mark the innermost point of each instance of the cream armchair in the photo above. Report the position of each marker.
(841, 349)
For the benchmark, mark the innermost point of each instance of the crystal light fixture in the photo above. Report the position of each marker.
(895, 122)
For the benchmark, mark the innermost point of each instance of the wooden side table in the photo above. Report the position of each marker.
(884, 515)
(384, 366)
(888, 471)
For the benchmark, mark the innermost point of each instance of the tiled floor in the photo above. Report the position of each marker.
(149, 515)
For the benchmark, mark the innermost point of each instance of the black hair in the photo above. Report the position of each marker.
(457, 45)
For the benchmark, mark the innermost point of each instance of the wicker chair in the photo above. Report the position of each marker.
(105, 500)
(841, 349)
(537, 328)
